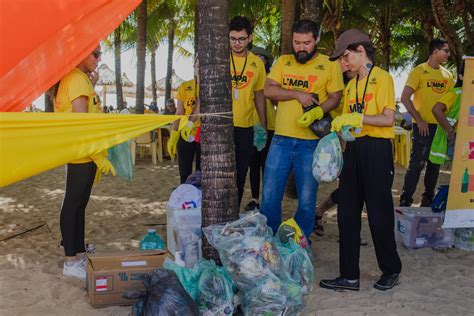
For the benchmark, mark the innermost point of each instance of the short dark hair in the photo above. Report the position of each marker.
(306, 26)
(170, 102)
(436, 43)
(369, 49)
(239, 23)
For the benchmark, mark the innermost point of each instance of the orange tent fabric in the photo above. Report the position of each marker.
(41, 40)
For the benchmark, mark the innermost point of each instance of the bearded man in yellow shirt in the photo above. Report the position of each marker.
(298, 81)
(427, 82)
(248, 78)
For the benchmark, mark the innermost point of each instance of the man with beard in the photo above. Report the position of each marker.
(427, 82)
(298, 81)
(248, 78)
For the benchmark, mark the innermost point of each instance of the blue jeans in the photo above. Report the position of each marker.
(288, 153)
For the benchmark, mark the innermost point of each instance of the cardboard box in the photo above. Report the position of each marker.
(418, 227)
(109, 275)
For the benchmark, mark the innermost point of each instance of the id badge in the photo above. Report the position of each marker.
(236, 94)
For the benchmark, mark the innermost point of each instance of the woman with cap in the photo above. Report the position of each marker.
(367, 175)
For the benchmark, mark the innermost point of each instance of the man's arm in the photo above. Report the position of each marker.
(333, 100)
(274, 91)
(260, 106)
(406, 100)
(79, 104)
(438, 112)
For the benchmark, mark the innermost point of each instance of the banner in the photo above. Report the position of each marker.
(31, 143)
(460, 209)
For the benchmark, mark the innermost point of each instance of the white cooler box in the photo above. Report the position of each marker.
(183, 230)
(418, 227)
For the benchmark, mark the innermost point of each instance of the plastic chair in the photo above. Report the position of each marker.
(142, 142)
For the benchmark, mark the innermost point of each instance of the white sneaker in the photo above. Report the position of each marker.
(76, 270)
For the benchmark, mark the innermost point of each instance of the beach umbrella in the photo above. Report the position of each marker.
(35, 52)
(106, 79)
(161, 84)
(125, 81)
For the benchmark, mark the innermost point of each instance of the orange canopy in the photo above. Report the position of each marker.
(41, 40)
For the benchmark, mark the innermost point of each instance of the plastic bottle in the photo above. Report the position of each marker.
(464, 238)
(152, 241)
(465, 182)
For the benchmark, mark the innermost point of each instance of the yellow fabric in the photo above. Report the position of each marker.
(338, 111)
(429, 85)
(188, 93)
(380, 95)
(253, 79)
(448, 99)
(319, 76)
(72, 86)
(310, 116)
(31, 143)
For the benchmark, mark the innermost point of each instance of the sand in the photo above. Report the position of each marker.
(118, 214)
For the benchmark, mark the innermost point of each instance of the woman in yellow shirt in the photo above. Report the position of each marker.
(367, 174)
(76, 94)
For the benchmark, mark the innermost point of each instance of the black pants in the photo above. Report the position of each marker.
(367, 176)
(79, 181)
(243, 140)
(418, 159)
(257, 163)
(186, 153)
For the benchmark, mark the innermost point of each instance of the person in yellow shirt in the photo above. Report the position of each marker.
(257, 162)
(298, 81)
(248, 78)
(367, 174)
(187, 147)
(76, 94)
(427, 82)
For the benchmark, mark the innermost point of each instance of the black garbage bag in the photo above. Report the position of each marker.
(320, 127)
(164, 296)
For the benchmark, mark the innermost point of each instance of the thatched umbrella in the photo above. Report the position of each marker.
(106, 78)
(161, 84)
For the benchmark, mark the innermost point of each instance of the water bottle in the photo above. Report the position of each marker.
(152, 241)
(464, 238)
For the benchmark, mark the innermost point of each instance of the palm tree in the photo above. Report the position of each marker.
(311, 10)
(118, 66)
(219, 189)
(141, 53)
(288, 16)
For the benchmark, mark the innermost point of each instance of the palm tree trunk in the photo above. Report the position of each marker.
(447, 29)
(288, 15)
(141, 55)
(169, 67)
(153, 75)
(48, 99)
(467, 24)
(312, 10)
(118, 67)
(219, 189)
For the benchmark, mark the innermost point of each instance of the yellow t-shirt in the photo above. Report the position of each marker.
(319, 76)
(73, 85)
(188, 93)
(449, 98)
(429, 85)
(380, 95)
(271, 114)
(249, 79)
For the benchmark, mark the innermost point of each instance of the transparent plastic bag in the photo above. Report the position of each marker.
(246, 249)
(327, 159)
(121, 158)
(271, 296)
(259, 136)
(216, 290)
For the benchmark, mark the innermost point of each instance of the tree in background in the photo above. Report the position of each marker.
(141, 54)
(219, 190)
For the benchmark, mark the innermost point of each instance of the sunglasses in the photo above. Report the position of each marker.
(240, 39)
(96, 54)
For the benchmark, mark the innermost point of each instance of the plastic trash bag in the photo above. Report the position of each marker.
(271, 296)
(121, 158)
(246, 249)
(290, 229)
(189, 277)
(327, 159)
(164, 296)
(216, 290)
(259, 136)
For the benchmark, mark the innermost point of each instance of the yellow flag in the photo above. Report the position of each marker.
(31, 143)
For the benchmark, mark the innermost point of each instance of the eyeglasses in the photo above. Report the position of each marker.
(96, 54)
(240, 39)
(446, 50)
(344, 56)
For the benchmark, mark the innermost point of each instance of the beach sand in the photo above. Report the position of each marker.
(119, 213)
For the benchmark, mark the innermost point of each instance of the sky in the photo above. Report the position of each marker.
(183, 67)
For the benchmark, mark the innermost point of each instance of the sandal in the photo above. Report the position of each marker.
(318, 226)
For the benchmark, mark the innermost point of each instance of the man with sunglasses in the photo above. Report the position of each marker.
(298, 81)
(248, 79)
(427, 82)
